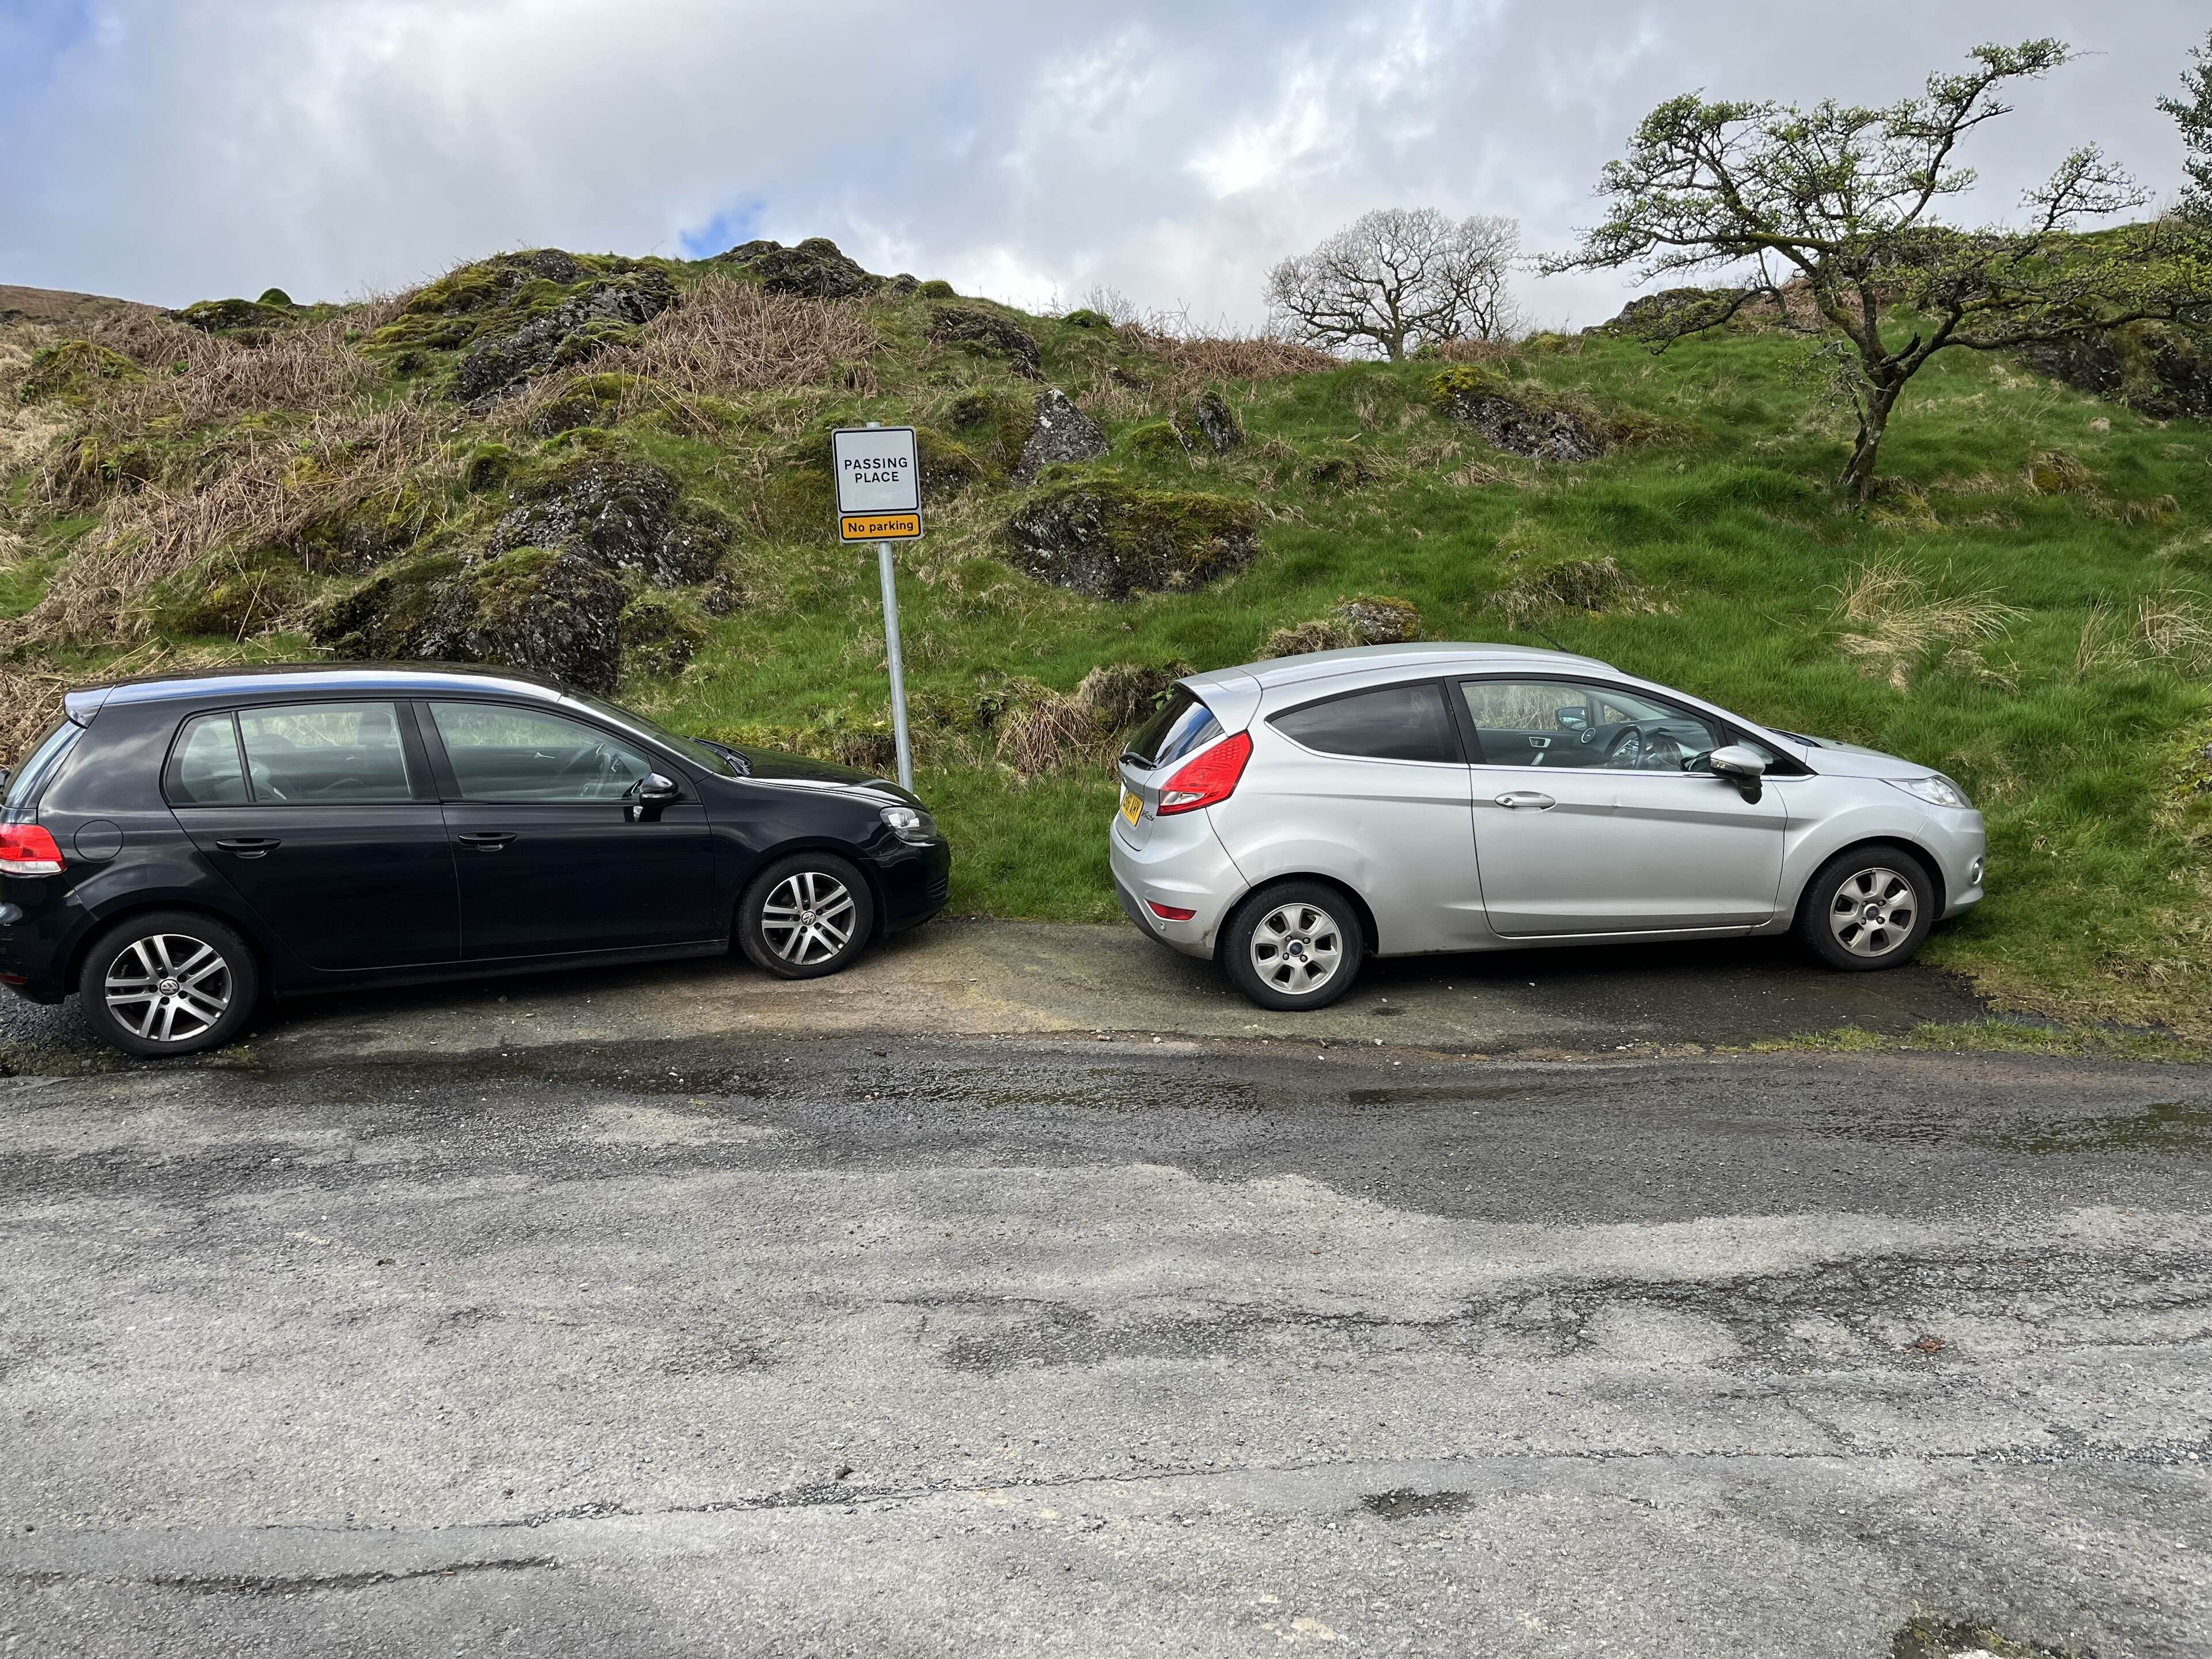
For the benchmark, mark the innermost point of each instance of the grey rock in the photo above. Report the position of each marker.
(1063, 432)
(1112, 541)
(1217, 422)
(620, 514)
(816, 269)
(576, 329)
(987, 334)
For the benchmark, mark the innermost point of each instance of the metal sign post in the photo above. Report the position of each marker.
(879, 501)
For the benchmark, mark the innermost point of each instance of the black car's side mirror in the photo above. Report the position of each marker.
(1742, 766)
(650, 795)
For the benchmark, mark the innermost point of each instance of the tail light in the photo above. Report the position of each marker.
(1209, 779)
(1169, 912)
(26, 849)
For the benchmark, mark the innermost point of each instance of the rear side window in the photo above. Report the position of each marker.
(45, 760)
(1392, 722)
(1183, 724)
(204, 769)
(326, 754)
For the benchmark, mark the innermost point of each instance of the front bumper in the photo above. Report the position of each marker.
(1183, 865)
(1960, 843)
(916, 881)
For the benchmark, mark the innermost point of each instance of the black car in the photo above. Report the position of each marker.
(177, 847)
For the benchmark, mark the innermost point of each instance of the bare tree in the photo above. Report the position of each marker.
(1843, 201)
(2194, 116)
(1398, 279)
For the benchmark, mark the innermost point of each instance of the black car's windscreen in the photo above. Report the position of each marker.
(710, 760)
(1392, 722)
(1183, 724)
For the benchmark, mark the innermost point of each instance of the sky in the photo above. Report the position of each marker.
(1171, 150)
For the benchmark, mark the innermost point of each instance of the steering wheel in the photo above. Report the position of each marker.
(1626, 751)
(1662, 753)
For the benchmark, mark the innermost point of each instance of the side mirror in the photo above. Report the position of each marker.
(650, 795)
(1571, 719)
(1741, 766)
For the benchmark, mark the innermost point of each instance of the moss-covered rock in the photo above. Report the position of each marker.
(619, 513)
(816, 269)
(1084, 317)
(1524, 419)
(589, 400)
(535, 608)
(659, 634)
(987, 334)
(1104, 538)
(993, 425)
(1060, 434)
(2164, 371)
(947, 467)
(603, 314)
(276, 297)
(1157, 440)
(74, 370)
(249, 321)
(1365, 619)
(936, 289)
(231, 594)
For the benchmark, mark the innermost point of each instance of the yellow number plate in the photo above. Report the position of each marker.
(1132, 807)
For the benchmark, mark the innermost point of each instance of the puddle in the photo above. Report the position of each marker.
(2169, 1128)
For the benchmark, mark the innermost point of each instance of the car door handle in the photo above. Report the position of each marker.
(1513, 799)
(249, 846)
(486, 841)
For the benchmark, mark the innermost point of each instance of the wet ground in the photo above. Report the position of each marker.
(693, 1342)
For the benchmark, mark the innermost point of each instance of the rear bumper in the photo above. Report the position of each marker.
(37, 931)
(1183, 866)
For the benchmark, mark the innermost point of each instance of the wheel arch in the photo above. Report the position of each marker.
(1370, 936)
(106, 920)
(1927, 861)
(844, 849)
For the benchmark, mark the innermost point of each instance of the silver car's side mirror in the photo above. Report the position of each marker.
(1742, 766)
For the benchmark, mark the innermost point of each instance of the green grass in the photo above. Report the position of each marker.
(2097, 907)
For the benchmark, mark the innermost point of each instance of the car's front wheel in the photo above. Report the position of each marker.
(1867, 909)
(805, 915)
(170, 982)
(1295, 945)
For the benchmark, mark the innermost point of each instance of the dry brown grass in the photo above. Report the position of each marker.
(274, 486)
(1894, 618)
(194, 380)
(30, 702)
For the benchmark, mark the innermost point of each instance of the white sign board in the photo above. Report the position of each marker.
(879, 483)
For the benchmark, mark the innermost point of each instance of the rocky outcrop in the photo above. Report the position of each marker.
(550, 612)
(1062, 433)
(2164, 372)
(1521, 419)
(572, 332)
(987, 334)
(1367, 619)
(250, 322)
(625, 515)
(1217, 422)
(1111, 542)
(816, 269)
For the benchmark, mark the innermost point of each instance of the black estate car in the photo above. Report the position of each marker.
(176, 848)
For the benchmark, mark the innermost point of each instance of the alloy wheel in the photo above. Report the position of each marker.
(1296, 948)
(1873, 912)
(808, 918)
(169, 987)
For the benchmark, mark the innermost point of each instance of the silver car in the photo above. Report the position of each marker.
(1292, 818)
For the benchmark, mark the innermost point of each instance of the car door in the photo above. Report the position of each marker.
(1369, 786)
(554, 853)
(1592, 814)
(322, 816)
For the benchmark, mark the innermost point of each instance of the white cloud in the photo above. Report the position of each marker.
(170, 150)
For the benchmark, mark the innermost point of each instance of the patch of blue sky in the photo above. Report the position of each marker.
(731, 226)
(36, 35)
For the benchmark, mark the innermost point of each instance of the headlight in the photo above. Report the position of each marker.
(910, 824)
(1935, 789)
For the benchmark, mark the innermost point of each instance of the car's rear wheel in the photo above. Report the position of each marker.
(169, 982)
(1867, 909)
(805, 915)
(1295, 945)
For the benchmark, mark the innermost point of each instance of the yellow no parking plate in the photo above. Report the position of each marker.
(1132, 808)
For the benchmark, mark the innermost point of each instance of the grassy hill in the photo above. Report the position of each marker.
(618, 469)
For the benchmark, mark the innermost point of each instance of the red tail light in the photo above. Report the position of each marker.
(28, 850)
(1169, 912)
(1209, 779)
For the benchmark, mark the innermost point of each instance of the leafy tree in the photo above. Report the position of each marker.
(2195, 118)
(1840, 203)
(1398, 279)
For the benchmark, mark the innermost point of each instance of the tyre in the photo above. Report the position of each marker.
(805, 915)
(169, 982)
(1295, 945)
(1867, 909)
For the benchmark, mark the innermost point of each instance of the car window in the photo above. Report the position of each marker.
(1565, 723)
(326, 754)
(1183, 724)
(501, 753)
(1392, 722)
(23, 789)
(205, 770)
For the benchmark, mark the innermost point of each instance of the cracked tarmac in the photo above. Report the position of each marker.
(693, 1343)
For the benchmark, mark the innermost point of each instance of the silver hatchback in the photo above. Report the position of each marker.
(1292, 818)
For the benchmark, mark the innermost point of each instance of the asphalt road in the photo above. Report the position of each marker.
(704, 1345)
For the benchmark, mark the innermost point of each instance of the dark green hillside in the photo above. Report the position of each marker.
(618, 469)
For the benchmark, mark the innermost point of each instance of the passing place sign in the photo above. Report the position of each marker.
(879, 483)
